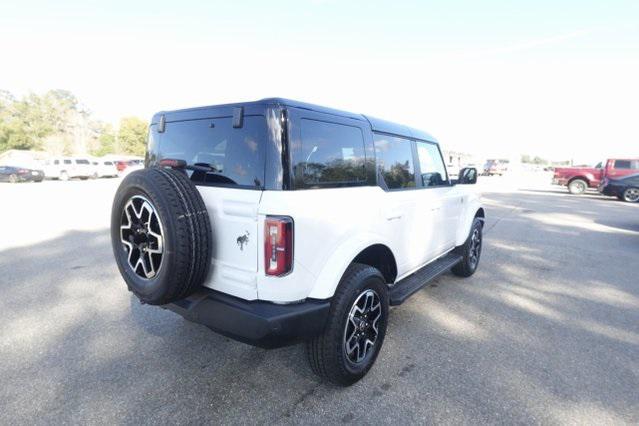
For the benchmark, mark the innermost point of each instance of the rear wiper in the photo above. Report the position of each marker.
(203, 167)
(182, 165)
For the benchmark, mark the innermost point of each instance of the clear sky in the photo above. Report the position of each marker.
(554, 78)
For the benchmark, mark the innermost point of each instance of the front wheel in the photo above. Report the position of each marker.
(631, 195)
(13, 179)
(355, 329)
(470, 251)
(64, 176)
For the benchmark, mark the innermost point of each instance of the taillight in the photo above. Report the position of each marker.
(278, 245)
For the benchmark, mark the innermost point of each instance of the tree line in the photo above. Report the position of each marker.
(57, 123)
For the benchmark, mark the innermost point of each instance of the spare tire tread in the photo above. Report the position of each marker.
(198, 222)
(185, 223)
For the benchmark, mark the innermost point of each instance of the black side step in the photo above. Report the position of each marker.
(405, 288)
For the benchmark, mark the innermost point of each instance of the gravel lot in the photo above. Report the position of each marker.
(547, 331)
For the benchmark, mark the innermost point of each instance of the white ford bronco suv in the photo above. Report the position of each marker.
(275, 222)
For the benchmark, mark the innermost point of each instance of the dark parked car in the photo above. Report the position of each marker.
(20, 174)
(625, 188)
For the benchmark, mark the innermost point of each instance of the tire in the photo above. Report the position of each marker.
(94, 176)
(631, 195)
(577, 186)
(165, 252)
(470, 250)
(13, 179)
(64, 176)
(365, 286)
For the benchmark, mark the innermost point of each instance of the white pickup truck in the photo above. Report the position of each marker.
(275, 222)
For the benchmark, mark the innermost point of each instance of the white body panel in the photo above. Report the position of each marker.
(331, 227)
(233, 215)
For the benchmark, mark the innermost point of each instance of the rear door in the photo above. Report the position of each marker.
(409, 211)
(230, 182)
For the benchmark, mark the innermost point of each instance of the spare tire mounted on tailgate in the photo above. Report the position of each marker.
(161, 235)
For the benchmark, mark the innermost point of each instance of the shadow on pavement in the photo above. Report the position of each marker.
(546, 331)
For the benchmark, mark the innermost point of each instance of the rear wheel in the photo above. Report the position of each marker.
(13, 178)
(577, 186)
(64, 175)
(631, 195)
(355, 330)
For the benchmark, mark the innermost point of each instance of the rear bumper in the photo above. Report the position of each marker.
(258, 323)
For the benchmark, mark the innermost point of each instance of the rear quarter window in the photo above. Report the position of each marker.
(227, 156)
(329, 154)
(623, 164)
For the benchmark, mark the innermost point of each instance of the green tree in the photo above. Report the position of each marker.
(106, 141)
(27, 123)
(132, 136)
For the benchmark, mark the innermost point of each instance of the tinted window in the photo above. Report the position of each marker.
(56, 162)
(433, 172)
(67, 161)
(622, 164)
(395, 161)
(330, 153)
(226, 155)
(108, 163)
(82, 161)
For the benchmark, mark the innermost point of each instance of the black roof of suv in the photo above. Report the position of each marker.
(377, 125)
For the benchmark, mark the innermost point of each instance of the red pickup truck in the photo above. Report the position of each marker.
(578, 179)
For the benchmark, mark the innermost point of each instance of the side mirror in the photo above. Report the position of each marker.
(467, 175)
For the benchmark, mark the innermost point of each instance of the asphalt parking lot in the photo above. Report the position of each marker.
(547, 331)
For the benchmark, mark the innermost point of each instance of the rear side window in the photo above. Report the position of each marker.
(82, 161)
(626, 164)
(395, 161)
(433, 172)
(226, 155)
(329, 154)
(67, 161)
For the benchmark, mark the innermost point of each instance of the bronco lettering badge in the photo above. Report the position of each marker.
(242, 239)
